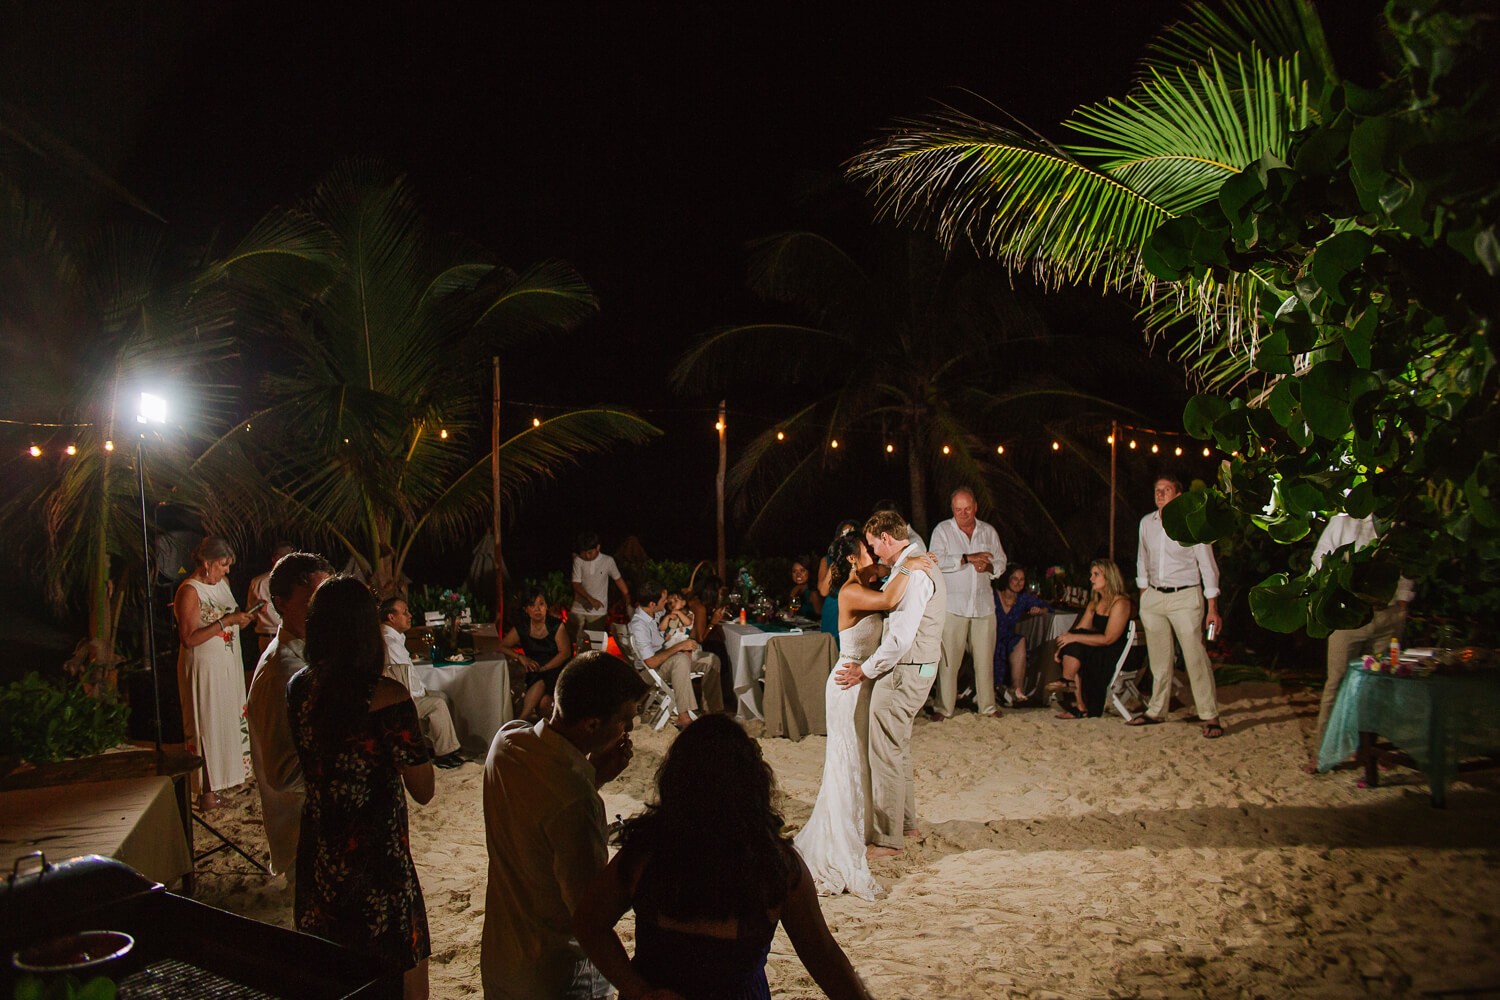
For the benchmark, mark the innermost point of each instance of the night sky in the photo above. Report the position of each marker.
(644, 143)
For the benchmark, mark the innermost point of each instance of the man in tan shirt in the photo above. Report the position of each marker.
(545, 830)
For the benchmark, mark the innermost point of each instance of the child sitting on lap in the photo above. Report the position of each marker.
(677, 623)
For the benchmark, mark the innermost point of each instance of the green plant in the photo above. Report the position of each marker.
(1376, 390)
(42, 720)
(31, 987)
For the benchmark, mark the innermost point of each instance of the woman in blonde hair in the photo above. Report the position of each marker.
(1089, 651)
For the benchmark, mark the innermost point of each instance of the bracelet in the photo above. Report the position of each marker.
(903, 571)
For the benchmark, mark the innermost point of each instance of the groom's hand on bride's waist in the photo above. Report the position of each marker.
(848, 674)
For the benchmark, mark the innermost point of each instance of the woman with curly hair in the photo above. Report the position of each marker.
(709, 873)
(362, 751)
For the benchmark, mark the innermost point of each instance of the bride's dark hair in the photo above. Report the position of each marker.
(839, 554)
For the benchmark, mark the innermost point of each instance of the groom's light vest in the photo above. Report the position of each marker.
(928, 645)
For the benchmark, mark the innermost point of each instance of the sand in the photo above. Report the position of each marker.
(1080, 859)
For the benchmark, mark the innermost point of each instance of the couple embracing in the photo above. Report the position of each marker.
(890, 641)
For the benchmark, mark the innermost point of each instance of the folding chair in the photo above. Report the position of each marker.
(1124, 683)
(660, 701)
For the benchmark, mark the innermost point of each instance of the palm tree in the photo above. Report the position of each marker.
(1217, 93)
(927, 352)
(380, 335)
(88, 319)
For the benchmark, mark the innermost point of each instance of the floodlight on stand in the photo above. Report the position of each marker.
(153, 409)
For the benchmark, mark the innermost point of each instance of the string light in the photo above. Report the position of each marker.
(35, 451)
(1000, 449)
(889, 448)
(442, 434)
(1110, 440)
(834, 443)
(1132, 444)
(537, 422)
(1205, 452)
(1179, 451)
(1154, 449)
(109, 446)
(947, 450)
(71, 449)
(1056, 446)
(781, 435)
(718, 424)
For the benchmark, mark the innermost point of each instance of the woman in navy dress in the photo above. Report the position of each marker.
(361, 751)
(709, 873)
(1012, 603)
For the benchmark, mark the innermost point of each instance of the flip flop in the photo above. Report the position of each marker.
(1212, 730)
(1144, 720)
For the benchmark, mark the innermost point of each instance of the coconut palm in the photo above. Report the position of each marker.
(1219, 90)
(379, 336)
(919, 349)
(87, 320)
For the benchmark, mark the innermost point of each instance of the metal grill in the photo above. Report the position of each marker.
(170, 979)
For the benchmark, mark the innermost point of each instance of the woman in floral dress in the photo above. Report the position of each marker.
(361, 751)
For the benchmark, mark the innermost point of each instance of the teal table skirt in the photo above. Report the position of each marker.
(1438, 720)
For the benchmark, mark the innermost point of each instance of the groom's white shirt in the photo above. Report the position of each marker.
(902, 624)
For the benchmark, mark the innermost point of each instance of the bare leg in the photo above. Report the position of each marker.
(532, 700)
(414, 982)
(1018, 670)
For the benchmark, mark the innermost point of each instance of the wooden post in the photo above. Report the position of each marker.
(719, 490)
(495, 498)
(1114, 443)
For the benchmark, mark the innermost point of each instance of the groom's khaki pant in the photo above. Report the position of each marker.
(891, 792)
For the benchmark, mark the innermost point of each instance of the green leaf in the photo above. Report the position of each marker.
(1198, 516)
(1481, 493)
(1328, 390)
(1338, 608)
(1273, 354)
(1201, 412)
(98, 988)
(1169, 252)
(1278, 604)
(1282, 403)
(1288, 530)
(1336, 258)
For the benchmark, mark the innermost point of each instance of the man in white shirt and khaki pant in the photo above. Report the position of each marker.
(968, 552)
(1176, 582)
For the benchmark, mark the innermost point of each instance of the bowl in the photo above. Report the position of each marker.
(74, 952)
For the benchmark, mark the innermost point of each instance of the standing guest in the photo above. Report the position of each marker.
(592, 575)
(969, 554)
(361, 749)
(803, 599)
(1012, 603)
(830, 578)
(211, 672)
(1089, 650)
(1388, 622)
(267, 621)
(278, 772)
(432, 709)
(546, 646)
(677, 662)
(544, 827)
(1175, 581)
(710, 874)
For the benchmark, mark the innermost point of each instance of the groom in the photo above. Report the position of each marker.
(903, 668)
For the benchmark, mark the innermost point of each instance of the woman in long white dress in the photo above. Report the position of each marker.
(210, 673)
(833, 841)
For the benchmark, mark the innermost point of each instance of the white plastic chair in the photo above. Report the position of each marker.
(660, 701)
(1125, 684)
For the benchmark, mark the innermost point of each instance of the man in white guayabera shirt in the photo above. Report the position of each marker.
(903, 667)
(278, 772)
(968, 552)
(1176, 581)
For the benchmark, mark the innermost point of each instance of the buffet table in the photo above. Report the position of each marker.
(478, 696)
(1437, 720)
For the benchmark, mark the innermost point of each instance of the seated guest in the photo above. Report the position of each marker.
(432, 710)
(804, 600)
(830, 578)
(675, 663)
(278, 772)
(709, 874)
(706, 604)
(1089, 650)
(362, 752)
(546, 646)
(1012, 603)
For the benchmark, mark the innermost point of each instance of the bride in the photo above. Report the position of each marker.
(833, 841)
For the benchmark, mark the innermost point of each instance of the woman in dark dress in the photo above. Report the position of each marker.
(1089, 651)
(1012, 603)
(361, 751)
(709, 874)
(545, 642)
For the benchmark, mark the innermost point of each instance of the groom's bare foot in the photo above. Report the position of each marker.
(875, 851)
(913, 832)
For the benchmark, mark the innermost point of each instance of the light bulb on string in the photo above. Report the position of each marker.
(1110, 440)
(1154, 449)
(947, 450)
(109, 446)
(1205, 452)
(889, 448)
(833, 443)
(781, 435)
(1178, 452)
(536, 421)
(1132, 444)
(71, 449)
(1056, 446)
(1000, 449)
(442, 434)
(718, 425)
(34, 451)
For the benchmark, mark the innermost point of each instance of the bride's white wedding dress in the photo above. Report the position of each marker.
(833, 841)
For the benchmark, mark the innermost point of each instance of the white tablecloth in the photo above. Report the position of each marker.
(1045, 627)
(478, 695)
(747, 664)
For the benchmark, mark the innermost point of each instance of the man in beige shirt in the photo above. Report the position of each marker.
(545, 830)
(278, 771)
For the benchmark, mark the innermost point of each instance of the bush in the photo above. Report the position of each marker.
(42, 721)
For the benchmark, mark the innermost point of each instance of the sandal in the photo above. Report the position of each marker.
(1143, 720)
(1054, 687)
(1212, 730)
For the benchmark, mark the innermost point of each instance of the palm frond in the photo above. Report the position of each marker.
(1280, 28)
(719, 358)
(1027, 201)
(549, 296)
(809, 271)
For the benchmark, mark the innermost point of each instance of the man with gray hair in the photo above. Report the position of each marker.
(902, 667)
(969, 554)
(278, 771)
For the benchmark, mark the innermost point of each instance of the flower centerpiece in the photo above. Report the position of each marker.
(452, 604)
(1056, 584)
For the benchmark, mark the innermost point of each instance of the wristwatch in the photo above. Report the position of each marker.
(963, 560)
